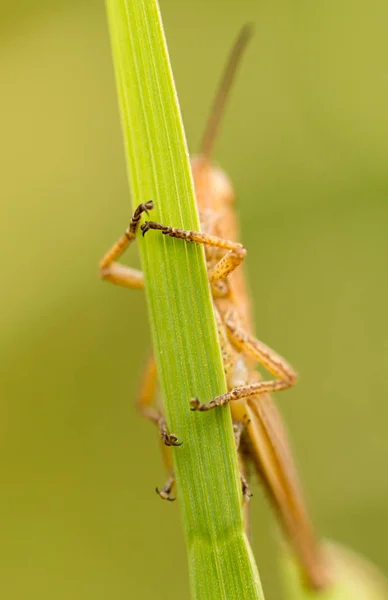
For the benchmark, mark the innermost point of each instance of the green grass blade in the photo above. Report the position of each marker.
(180, 309)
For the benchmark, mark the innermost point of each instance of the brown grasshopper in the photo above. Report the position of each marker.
(260, 434)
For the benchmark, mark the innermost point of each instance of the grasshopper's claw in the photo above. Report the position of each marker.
(164, 495)
(145, 227)
(170, 439)
(195, 404)
(149, 205)
(142, 208)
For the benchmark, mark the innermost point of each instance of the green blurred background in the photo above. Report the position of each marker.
(306, 143)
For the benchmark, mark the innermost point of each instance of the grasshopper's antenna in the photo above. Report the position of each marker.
(218, 107)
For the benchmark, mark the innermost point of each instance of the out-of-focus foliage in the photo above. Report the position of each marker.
(306, 142)
(352, 578)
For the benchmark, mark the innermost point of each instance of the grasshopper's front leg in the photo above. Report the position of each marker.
(247, 344)
(112, 271)
(228, 263)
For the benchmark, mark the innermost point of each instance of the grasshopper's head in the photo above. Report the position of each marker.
(213, 188)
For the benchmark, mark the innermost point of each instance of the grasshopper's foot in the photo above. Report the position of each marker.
(170, 439)
(165, 492)
(164, 495)
(195, 404)
(152, 225)
(144, 207)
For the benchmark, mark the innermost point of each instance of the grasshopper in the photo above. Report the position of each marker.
(260, 434)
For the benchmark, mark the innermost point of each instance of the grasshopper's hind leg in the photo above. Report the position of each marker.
(228, 263)
(112, 271)
(145, 401)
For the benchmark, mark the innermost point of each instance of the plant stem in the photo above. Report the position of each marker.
(183, 329)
